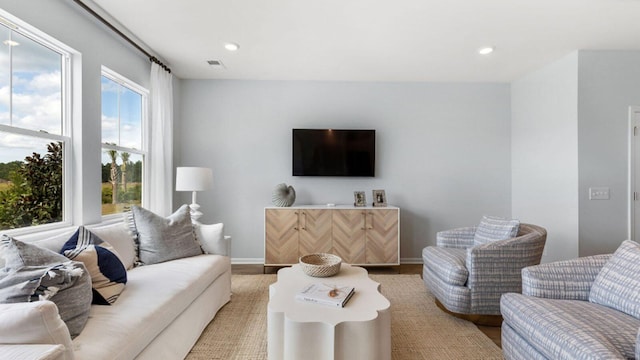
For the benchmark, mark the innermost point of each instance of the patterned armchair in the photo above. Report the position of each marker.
(585, 308)
(468, 277)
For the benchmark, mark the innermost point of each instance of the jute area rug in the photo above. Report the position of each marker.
(419, 330)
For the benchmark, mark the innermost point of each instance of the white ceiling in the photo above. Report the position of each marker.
(374, 40)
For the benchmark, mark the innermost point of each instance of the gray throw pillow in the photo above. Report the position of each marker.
(162, 239)
(32, 273)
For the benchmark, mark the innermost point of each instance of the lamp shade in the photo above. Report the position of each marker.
(193, 179)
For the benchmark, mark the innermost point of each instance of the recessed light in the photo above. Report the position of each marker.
(11, 43)
(231, 46)
(486, 50)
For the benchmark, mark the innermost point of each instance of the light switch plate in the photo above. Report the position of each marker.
(599, 193)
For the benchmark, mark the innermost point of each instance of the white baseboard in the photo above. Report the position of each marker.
(260, 261)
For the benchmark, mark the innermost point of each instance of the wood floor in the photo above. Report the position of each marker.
(492, 333)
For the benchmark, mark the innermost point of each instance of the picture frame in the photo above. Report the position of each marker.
(359, 199)
(379, 198)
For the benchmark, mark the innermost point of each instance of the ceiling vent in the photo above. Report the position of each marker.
(216, 64)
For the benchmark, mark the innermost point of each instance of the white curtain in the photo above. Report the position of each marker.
(161, 142)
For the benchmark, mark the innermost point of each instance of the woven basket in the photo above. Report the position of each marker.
(320, 265)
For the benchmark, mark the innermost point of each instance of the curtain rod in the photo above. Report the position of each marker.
(114, 29)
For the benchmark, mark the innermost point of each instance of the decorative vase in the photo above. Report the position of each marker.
(283, 195)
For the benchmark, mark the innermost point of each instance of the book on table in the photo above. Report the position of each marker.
(326, 294)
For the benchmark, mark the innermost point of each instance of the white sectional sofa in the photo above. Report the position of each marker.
(160, 314)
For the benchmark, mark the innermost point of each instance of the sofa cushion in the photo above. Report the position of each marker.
(155, 296)
(493, 228)
(618, 283)
(447, 263)
(571, 329)
(32, 273)
(108, 274)
(163, 239)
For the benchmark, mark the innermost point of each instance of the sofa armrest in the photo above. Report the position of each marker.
(567, 279)
(212, 239)
(32, 351)
(35, 322)
(456, 238)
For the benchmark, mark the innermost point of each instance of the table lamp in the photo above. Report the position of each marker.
(194, 179)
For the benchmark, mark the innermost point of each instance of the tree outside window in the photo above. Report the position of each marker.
(33, 135)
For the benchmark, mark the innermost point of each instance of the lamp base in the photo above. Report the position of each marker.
(195, 212)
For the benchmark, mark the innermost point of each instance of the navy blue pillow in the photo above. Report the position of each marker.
(108, 274)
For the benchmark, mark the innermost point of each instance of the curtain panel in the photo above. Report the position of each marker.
(160, 178)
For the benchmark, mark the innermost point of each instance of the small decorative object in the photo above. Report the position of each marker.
(379, 198)
(283, 195)
(359, 198)
(320, 265)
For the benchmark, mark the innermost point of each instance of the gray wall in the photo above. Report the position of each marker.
(544, 158)
(609, 82)
(69, 24)
(582, 99)
(443, 151)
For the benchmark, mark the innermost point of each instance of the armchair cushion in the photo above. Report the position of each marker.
(447, 263)
(618, 284)
(493, 228)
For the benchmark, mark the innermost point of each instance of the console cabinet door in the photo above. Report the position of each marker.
(281, 237)
(382, 236)
(315, 231)
(348, 235)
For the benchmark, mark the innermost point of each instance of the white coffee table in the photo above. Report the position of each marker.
(299, 330)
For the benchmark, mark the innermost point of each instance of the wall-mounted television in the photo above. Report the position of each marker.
(334, 152)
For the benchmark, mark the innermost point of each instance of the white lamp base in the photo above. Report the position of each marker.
(195, 212)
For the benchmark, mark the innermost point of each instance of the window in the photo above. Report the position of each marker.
(124, 114)
(34, 127)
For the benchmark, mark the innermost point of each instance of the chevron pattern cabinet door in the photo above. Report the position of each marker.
(382, 236)
(348, 235)
(315, 231)
(281, 236)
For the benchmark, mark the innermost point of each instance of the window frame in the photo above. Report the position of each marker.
(144, 126)
(70, 61)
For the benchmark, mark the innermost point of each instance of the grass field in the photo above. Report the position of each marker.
(4, 186)
(108, 209)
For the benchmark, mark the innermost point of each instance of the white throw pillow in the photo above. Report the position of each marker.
(211, 238)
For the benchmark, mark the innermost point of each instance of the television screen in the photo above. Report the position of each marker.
(331, 152)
